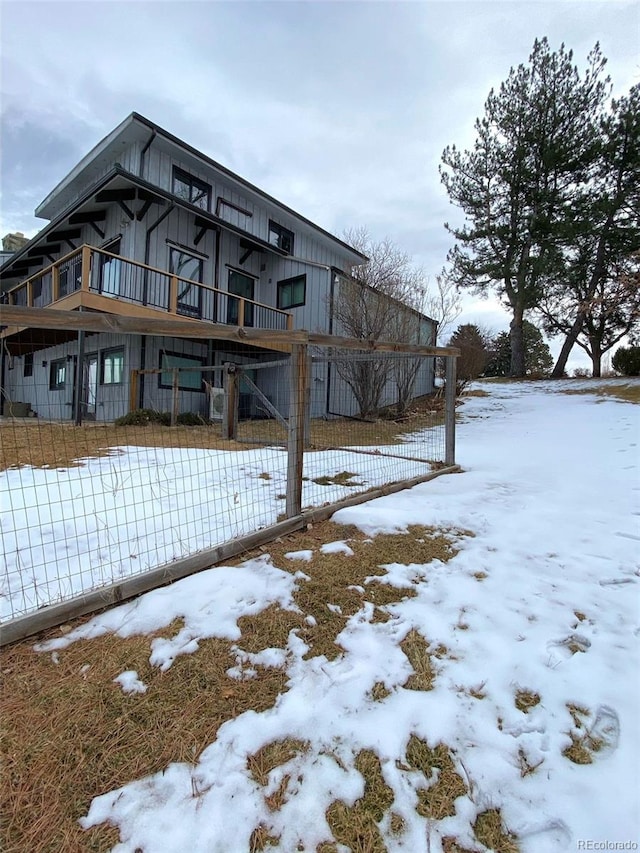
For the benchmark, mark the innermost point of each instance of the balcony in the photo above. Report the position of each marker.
(94, 279)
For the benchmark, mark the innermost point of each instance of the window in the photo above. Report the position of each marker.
(57, 374)
(188, 380)
(291, 292)
(112, 367)
(240, 285)
(281, 237)
(187, 266)
(110, 269)
(191, 189)
(28, 364)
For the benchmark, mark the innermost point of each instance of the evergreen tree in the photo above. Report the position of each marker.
(592, 296)
(538, 358)
(473, 353)
(534, 149)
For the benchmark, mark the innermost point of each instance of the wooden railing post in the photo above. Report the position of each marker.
(30, 294)
(241, 312)
(55, 283)
(86, 269)
(289, 322)
(450, 410)
(230, 402)
(295, 449)
(173, 295)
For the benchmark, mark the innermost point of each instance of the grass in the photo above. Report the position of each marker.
(526, 700)
(628, 392)
(438, 800)
(68, 733)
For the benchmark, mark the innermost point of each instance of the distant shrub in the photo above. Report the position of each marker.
(626, 360)
(581, 373)
(142, 417)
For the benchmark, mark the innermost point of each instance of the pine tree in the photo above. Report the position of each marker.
(534, 149)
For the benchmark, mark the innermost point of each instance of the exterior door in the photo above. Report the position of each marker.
(240, 285)
(89, 386)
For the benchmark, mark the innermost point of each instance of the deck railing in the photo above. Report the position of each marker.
(92, 270)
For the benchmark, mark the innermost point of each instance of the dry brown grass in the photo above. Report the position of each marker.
(273, 755)
(526, 700)
(357, 826)
(628, 393)
(490, 831)
(438, 800)
(69, 733)
(416, 648)
(30, 441)
(583, 744)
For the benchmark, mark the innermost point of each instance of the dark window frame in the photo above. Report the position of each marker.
(54, 382)
(289, 282)
(233, 305)
(28, 365)
(192, 182)
(172, 354)
(104, 354)
(186, 309)
(284, 236)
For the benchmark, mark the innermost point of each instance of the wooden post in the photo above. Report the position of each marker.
(231, 401)
(307, 404)
(79, 381)
(30, 293)
(55, 283)
(133, 390)
(450, 410)
(295, 451)
(174, 395)
(289, 322)
(241, 312)
(86, 269)
(173, 295)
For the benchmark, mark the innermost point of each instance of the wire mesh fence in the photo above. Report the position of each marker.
(123, 453)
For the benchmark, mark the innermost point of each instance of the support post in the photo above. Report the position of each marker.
(79, 383)
(133, 390)
(240, 312)
(450, 410)
(173, 295)
(230, 403)
(175, 379)
(55, 283)
(295, 450)
(307, 403)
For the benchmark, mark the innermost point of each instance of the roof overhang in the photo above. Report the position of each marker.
(135, 196)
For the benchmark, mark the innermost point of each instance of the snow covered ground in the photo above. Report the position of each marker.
(549, 590)
(68, 531)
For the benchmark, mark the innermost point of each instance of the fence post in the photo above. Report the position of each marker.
(175, 380)
(450, 410)
(133, 390)
(79, 381)
(297, 406)
(307, 403)
(230, 402)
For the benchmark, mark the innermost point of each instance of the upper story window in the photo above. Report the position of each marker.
(191, 189)
(281, 237)
(291, 292)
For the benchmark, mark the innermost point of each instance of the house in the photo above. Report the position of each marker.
(145, 225)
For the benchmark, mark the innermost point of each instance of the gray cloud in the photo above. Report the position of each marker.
(340, 109)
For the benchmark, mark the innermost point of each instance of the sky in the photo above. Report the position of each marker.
(341, 110)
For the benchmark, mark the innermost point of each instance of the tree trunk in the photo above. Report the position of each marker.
(572, 336)
(596, 359)
(518, 369)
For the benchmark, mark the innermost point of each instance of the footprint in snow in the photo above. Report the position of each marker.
(564, 649)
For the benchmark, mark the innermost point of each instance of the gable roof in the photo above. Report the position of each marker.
(138, 128)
